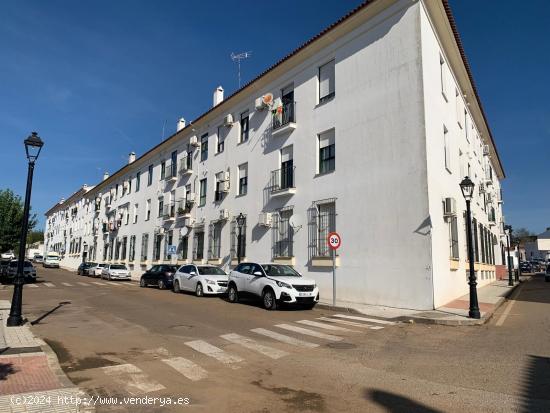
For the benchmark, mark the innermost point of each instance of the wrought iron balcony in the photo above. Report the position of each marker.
(284, 118)
(169, 211)
(170, 173)
(282, 181)
(186, 165)
(184, 208)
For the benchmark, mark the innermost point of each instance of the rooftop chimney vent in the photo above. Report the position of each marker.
(181, 124)
(218, 96)
(105, 175)
(131, 158)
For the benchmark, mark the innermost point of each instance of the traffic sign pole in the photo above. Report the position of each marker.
(334, 241)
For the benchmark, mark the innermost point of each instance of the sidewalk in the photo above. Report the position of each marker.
(31, 379)
(454, 313)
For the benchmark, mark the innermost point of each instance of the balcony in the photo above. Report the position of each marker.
(282, 182)
(284, 119)
(171, 175)
(169, 212)
(184, 208)
(186, 166)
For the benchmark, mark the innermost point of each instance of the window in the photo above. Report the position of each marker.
(161, 206)
(150, 176)
(123, 248)
(443, 77)
(214, 240)
(157, 247)
(235, 239)
(446, 149)
(243, 179)
(476, 244)
(244, 126)
(323, 221)
(132, 251)
(220, 139)
(286, 178)
(148, 210)
(283, 234)
(198, 244)
(169, 240)
(136, 213)
(327, 155)
(127, 216)
(174, 165)
(204, 147)
(202, 195)
(138, 179)
(326, 81)
(183, 246)
(162, 170)
(453, 237)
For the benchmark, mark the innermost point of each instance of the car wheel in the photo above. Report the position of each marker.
(269, 300)
(198, 290)
(232, 294)
(161, 285)
(142, 283)
(176, 287)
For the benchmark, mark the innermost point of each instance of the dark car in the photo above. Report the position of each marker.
(547, 275)
(526, 267)
(29, 271)
(160, 275)
(4, 267)
(83, 267)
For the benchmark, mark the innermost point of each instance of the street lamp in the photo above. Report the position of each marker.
(241, 221)
(33, 146)
(467, 188)
(508, 230)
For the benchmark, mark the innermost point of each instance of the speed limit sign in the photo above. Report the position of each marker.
(334, 240)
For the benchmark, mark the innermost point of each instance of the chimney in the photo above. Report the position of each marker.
(181, 124)
(105, 175)
(62, 200)
(131, 158)
(218, 96)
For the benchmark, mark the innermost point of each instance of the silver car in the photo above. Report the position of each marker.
(115, 272)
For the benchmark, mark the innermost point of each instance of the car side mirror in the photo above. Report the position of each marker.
(192, 273)
(258, 273)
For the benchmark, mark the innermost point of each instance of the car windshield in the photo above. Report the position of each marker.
(37, 256)
(13, 264)
(279, 271)
(210, 271)
(52, 257)
(101, 265)
(118, 267)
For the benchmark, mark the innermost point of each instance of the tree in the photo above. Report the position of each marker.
(521, 235)
(11, 219)
(35, 236)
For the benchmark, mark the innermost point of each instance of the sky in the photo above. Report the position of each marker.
(99, 79)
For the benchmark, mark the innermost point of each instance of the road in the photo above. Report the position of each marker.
(117, 339)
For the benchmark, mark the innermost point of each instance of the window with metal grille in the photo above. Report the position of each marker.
(283, 235)
(132, 252)
(183, 247)
(168, 241)
(235, 239)
(198, 245)
(123, 248)
(453, 237)
(157, 247)
(321, 222)
(214, 240)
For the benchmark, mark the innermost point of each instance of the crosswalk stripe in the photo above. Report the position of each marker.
(214, 352)
(132, 378)
(324, 326)
(307, 332)
(187, 368)
(370, 320)
(284, 339)
(349, 323)
(114, 283)
(255, 346)
(67, 284)
(32, 285)
(83, 284)
(49, 285)
(98, 283)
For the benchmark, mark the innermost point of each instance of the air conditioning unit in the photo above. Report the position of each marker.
(224, 186)
(189, 222)
(224, 214)
(228, 120)
(190, 197)
(194, 141)
(449, 207)
(159, 230)
(486, 151)
(264, 101)
(265, 219)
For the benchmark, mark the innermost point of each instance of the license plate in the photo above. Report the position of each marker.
(304, 294)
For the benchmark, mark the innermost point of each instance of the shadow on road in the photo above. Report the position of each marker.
(396, 403)
(5, 370)
(535, 291)
(535, 396)
(43, 316)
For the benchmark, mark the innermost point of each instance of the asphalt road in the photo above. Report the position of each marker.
(117, 339)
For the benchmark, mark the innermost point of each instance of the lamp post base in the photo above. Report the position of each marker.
(15, 321)
(474, 314)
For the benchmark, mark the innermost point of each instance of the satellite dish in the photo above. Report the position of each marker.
(295, 221)
(267, 99)
(184, 231)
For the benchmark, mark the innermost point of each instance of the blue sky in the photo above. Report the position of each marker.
(99, 79)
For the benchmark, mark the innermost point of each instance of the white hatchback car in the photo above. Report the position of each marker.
(115, 272)
(273, 283)
(202, 279)
(96, 270)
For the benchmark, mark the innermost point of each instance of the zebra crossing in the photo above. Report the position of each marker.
(51, 285)
(230, 350)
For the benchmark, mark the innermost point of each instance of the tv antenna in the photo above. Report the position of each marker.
(237, 58)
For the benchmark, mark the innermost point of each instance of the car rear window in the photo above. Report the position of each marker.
(210, 271)
(118, 267)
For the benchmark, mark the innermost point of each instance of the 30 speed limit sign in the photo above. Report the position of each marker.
(334, 240)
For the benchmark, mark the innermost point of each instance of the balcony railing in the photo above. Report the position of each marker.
(183, 207)
(284, 115)
(282, 179)
(171, 173)
(169, 211)
(186, 165)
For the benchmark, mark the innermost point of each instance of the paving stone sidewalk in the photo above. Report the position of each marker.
(31, 379)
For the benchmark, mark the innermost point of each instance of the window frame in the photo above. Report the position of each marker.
(330, 95)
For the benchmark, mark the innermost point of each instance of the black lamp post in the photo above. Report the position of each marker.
(467, 188)
(33, 145)
(508, 230)
(241, 221)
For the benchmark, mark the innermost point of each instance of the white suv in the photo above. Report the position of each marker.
(273, 283)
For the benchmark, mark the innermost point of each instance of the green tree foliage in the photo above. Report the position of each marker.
(35, 236)
(11, 217)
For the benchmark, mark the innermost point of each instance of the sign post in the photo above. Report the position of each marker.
(334, 241)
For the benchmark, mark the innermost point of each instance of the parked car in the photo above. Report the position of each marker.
(51, 260)
(526, 266)
(96, 270)
(547, 274)
(4, 266)
(274, 283)
(83, 267)
(115, 272)
(202, 279)
(160, 275)
(38, 259)
(29, 271)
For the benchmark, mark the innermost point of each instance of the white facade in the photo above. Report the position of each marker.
(362, 130)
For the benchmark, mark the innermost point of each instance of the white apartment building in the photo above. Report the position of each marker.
(366, 129)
